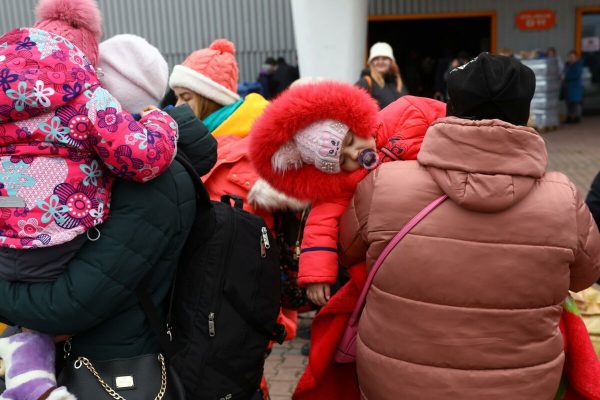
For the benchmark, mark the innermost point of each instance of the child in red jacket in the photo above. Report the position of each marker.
(312, 143)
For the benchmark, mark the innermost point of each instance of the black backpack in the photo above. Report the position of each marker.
(225, 301)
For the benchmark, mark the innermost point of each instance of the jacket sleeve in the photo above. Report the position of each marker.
(353, 224)
(585, 270)
(132, 150)
(404, 125)
(593, 199)
(194, 139)
(319, 257)
(99, 280)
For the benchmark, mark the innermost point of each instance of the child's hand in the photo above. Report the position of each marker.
(149, 109)
(318, 293)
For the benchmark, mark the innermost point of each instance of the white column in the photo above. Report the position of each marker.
(331, 37)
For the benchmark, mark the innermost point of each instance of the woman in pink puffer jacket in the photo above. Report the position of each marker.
(468, 304)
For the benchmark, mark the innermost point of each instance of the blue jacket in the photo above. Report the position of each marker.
(573, 72)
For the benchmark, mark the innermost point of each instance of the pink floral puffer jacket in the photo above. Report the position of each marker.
(60, 134)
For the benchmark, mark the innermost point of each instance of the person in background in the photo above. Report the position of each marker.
(574, 87)
(442, 93)
(445, 313)
(283, 76)
(551, 53)
(382, 77)
(265, 77)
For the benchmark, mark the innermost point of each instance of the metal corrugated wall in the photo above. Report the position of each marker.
(262, 28)
(259, 28)
(561, 36)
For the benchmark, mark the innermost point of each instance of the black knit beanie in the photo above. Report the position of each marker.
(491, 87)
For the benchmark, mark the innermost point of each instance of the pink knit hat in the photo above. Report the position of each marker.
(79, 21)
(211, 73)
(319, 144)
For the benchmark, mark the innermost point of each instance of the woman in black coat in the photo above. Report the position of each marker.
(382, 78)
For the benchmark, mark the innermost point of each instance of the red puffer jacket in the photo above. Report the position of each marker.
(399, 136)
(399, 130)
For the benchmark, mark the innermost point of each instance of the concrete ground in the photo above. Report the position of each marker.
(572, 149)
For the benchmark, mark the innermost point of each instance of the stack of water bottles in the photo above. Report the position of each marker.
(545, 103)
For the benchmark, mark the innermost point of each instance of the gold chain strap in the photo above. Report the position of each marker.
(163, 379)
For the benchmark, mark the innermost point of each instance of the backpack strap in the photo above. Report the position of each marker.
(387, 250)
(202, 196)
(161, 331)
(142, 291)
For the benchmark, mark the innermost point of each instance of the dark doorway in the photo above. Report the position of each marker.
(589, 32)
(424, 48)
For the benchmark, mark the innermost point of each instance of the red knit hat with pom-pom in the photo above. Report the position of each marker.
(79, 21)
(211, 73)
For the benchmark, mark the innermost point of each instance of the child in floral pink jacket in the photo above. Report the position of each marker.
(61, 134)
(63, 139)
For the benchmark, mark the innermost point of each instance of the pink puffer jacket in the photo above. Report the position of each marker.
(61, 136)
(467, 305)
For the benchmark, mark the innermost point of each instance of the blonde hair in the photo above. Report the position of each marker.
(203, 106)
(394, 70)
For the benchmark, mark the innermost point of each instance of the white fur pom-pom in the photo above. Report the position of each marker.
(264, 196)
(287, 157)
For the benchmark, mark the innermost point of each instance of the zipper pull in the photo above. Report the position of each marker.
(297, 251)
(211, 324)
(263, 248)
(265, 237)
(67, 348)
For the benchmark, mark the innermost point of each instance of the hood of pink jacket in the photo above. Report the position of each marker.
(36, 82)
(486, 165)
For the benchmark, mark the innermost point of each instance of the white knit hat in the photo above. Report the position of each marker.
(381, 49)
(135, 72)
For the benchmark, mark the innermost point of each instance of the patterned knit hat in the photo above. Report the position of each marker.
(211, 73)
(135, 72)
(79, 21)
(319, 144)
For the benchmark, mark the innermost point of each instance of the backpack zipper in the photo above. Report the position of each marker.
(265, 236)
(211, 324)
(264, 242)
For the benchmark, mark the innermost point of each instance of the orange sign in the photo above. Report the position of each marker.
(533, 20)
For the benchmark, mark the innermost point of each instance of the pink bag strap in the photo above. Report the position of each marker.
(387, 250)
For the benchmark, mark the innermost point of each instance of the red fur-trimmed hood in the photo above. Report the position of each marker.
(294, 110)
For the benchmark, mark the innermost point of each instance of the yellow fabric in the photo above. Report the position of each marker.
(240, 122)
(588, 302)
(2, 328)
